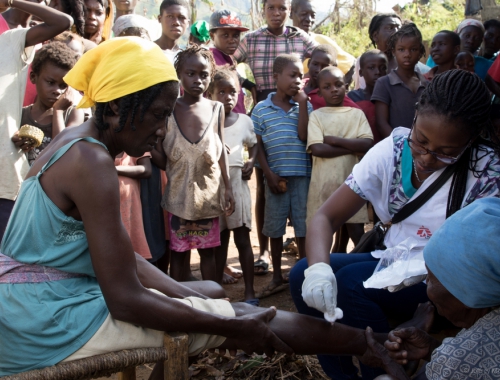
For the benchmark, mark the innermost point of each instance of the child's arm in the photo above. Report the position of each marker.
(247, 169)
(318, 144)
(328, 151)
(354, 145)
(301, 98)
(141, 170)
(271, 178)
(54, 22)
(228, 194)
(382, 119)
(75, 118)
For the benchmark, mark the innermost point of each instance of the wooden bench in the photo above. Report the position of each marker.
(174, 353)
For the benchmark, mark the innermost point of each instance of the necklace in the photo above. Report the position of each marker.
(416, 174)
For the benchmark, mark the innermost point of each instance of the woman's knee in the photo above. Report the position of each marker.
(210, 289)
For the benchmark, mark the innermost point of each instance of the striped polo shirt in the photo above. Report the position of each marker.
(285, 152)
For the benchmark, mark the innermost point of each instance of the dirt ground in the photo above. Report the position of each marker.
(281, 300)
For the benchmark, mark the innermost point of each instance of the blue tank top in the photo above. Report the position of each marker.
(43, 323)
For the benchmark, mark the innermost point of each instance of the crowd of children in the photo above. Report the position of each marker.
(304, 131)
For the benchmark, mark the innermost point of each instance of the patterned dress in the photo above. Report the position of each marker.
(473, 354)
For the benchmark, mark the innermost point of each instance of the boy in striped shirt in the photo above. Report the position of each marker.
(280, 123)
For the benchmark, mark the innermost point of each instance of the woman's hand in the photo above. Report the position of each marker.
(22, 142)
(409, 343)
(377, 356)
(256, 335)
(319, 291)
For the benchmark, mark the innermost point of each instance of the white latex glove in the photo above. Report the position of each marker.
(319, 290)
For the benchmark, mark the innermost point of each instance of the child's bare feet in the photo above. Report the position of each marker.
(233, 272)
(423, 317)
(228, 280)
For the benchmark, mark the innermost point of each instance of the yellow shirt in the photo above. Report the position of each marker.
(328, 174)
(344, 59)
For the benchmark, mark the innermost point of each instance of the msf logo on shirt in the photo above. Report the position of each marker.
(424, 232)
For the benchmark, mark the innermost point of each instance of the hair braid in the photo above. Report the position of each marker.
(76, 9)
(408, 29)
(464, 100)
(376, 23)
(130, 104)
(193, 50)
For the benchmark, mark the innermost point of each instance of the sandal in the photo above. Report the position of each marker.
(271, 289)
(261, 264)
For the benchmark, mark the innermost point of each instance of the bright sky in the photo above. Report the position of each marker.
(382, 5)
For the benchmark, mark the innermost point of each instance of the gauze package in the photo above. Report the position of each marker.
(399, 267)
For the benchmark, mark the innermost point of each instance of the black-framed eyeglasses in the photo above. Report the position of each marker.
(448, 160)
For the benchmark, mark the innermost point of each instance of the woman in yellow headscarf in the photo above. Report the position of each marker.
(98, 20)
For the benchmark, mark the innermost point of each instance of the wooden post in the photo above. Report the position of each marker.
(127, 374)
(176, 366)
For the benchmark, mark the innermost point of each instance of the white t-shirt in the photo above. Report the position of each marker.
(378, 179)
(14, 63)
(237, 136)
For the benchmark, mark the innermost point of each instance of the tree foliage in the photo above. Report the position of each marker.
(348, 22)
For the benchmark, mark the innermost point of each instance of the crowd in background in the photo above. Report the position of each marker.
(312, 120)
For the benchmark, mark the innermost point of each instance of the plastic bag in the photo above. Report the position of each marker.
(399, 267)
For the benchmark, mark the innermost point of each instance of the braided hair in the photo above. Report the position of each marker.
(130, 105)
(376, 23)
(190, 51)
(464, 100)
(408, 29)
(76, 9)
(226, 72)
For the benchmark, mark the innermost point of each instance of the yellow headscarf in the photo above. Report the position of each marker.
(119, 67)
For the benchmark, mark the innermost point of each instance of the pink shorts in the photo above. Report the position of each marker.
(193, 234)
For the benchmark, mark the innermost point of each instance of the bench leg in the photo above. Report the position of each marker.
(176, 366)
(127, 374)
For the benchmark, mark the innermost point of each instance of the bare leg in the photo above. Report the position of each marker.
(164, 261)
(355, 231)
(244, 245)
(309, 336)
(260, 203)
(343, 240)
(207, 264)
(178, 265)
(301, 245)
(210, 289)
(276, 251)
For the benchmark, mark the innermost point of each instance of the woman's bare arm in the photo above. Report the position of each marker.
(341, 206)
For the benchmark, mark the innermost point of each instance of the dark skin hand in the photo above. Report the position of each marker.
(54, 22)
(410, 343)
(247, 169)
(377, 356)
